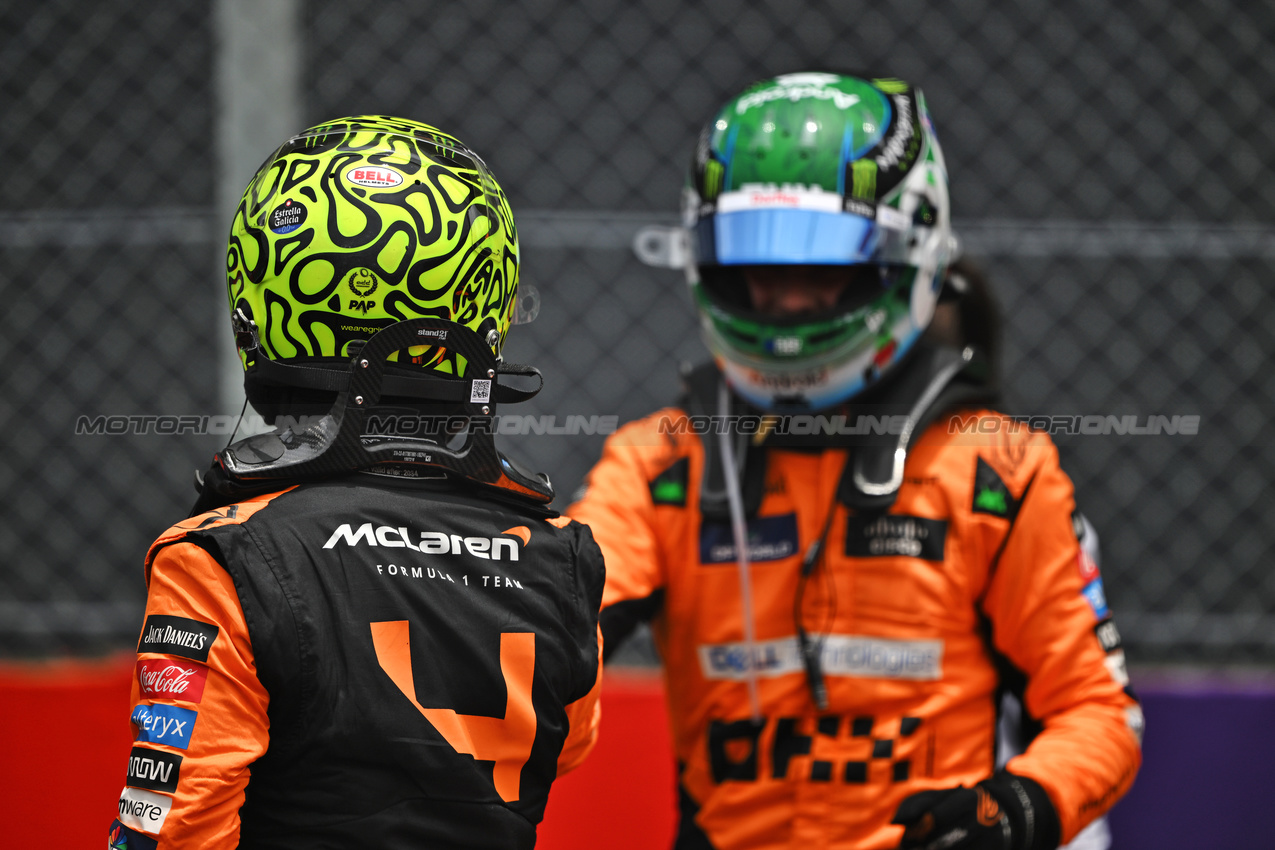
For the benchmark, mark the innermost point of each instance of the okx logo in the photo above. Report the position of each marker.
(164, 724)
(154, 770)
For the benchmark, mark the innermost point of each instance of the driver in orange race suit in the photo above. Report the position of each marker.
(372, 631)
(846, 556)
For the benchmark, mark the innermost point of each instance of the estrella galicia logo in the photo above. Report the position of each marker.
(154, 770)
(164, 724)
(883, 535)
(122, 838)
(177, 636)
(770, 538)
(287, 217)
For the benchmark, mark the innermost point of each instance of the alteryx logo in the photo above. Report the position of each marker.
(164, 724)
(1097, 599)
(500, 548)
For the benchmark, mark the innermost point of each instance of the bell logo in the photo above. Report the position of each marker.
(432, 542)
(373, 176)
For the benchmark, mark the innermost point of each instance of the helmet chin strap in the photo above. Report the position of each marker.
(336, 443)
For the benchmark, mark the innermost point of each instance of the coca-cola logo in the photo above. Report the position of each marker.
(163, 678)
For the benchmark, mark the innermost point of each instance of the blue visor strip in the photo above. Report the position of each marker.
(782, 236)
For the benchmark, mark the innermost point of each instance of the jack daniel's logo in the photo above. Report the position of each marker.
(170, 635)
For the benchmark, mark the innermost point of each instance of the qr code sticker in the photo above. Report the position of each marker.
(480, 392)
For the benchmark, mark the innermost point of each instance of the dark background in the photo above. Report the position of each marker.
(1110, 168)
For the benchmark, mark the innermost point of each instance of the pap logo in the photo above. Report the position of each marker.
(362, 283)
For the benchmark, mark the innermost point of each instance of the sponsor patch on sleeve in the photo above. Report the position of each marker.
(1097, 599)
(164, 724)
(1107, 635)
(122, 838)
(1088, 569)
(153, 770)
(164, 678)
(144, 810)
(182, 636)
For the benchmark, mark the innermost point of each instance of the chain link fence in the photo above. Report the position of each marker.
(1107, 169)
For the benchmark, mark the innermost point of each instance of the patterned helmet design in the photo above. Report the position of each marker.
(824, 170)
(360, 222)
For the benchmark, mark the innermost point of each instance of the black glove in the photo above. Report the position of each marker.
(1005, 812)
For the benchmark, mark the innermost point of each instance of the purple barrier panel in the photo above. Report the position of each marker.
(1208, 768)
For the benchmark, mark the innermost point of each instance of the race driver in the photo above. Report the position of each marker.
(372, 631)
(845, 555)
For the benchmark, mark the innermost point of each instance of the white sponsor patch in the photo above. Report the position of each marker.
(854, 656)
(144, 810)
(752, 196)
(1116, 667)
(892, 218)
(1135, 721)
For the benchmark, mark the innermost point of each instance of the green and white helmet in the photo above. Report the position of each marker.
(828, 170)
(358, 223)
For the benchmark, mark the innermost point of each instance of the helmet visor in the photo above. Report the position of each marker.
(774, 236)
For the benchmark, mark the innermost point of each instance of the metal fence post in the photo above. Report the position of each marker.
(258, 59)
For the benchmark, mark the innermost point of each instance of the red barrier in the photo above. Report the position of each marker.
(65, 733)
(64, 741)
(624, 797)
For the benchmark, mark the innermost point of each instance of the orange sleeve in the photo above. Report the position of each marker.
(1089, 751)
(618, 509)
(198, 724)
(583, 719)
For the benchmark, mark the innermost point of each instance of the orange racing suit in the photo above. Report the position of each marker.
(361, 661)
(971, 581)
